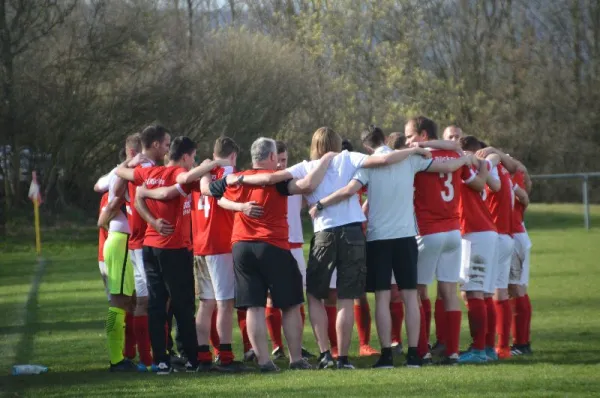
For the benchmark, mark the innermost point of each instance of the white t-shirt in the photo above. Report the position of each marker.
(294, 220)
(390, 194)
(339, 173)
(119, 222)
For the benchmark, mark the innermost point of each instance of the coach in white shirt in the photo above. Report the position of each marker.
(391, 231)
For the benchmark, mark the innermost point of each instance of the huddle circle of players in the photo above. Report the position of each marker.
(450, 210)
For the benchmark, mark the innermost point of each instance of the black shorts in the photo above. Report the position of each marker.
(260, 268)
(392, 255)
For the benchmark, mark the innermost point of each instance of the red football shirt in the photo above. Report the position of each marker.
(137, 225)
(175, 211)
(519, 210)
(474, 213)
(437, 196)
(102, 233)
(212, 225)
(501, 203)
(272, 227)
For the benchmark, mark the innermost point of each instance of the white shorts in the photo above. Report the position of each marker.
(298, 254)
(519, 267)
(439, 257)
(215, 279)
(139, 273)
(504, 252)
(478, 260)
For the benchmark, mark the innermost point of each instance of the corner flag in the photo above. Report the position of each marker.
(36, 198)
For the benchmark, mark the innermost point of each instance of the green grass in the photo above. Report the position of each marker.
(64, 330)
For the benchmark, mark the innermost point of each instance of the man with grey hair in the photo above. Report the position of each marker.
(261, 251)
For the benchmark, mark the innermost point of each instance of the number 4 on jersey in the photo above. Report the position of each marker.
(204, 204)
(447, 196)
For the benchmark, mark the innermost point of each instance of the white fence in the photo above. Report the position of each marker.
(584, 189)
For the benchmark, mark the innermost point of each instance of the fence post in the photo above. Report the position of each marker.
(586, 203)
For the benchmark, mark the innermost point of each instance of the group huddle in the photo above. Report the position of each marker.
(172, 232)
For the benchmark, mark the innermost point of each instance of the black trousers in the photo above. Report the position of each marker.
(170, 274)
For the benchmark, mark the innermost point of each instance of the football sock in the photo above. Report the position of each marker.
(115, 333)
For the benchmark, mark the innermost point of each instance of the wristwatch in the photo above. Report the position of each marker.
(319, 206)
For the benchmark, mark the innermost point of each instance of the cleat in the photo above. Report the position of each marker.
(384, 363)
(334, 352)
(515, 350)
(413, 361)
(490, 353)
(204, 367)
(249, 355)
(187, 368)
(526, 349)
(503, 353)
(300, 365)
(306, 354)
(143, 368)
(427, 360)
(451, 360)
(397, 349)
(344, 365)
(162, 369)
(278, 354)
(367, 351)
(438, 349)
(126, 365)
(326, 361)
(232, 367)
(269, 367)
(473, 357)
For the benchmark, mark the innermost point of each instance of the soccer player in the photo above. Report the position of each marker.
(391, 244)
(519, 270)
(120, 281)
(439, 241)
(167, 260)
(262, 260)
(102, 235)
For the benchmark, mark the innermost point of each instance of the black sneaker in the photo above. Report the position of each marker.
(187, 368)
(427, 360)
(232, 367)
(384, 362)
(449, 361)
(126, 365)
(301, 364)
(344, 364)
(516, 350)
(269, 367)
(278, 354)
(326, 361)
(204, 367)
(249, 356)
(162, 369)
(397, 349)
(178, 360)
(526, 349)
(438, 349)
(306, 354)
(413, 361)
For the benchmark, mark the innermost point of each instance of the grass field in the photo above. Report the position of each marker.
(63, 328)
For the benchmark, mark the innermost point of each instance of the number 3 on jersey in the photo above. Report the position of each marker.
(204, 204)
(448, 195)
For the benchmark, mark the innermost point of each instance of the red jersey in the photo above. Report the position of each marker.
(474, 213)
(137, 225)
(212, 225)
(501, 203)
(102, 233)
(175, 211)
(518, 213)
(272, 227)
(437, 196)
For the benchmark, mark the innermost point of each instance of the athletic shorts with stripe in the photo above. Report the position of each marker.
(519, 268)
(298, 254)
(478, 261)
(439, 257)
(139, 274)
(215, 279)
(504, 252)
(118, 265)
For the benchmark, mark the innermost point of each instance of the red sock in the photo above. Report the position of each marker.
(129, 351)
(226, 354)
(477, 322)
(204, 354)
(422, 347)
(503, 323)
(514, 332)
(142, 338)
(331, 318)
(302, 315)
(440, 321)
(362, 317)
(521, 320)
(528, 317)
(490, 334)
(397, 313)
(215, 341)
(241, 315)
(427, 311)
(452, 332)
(274, 326)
